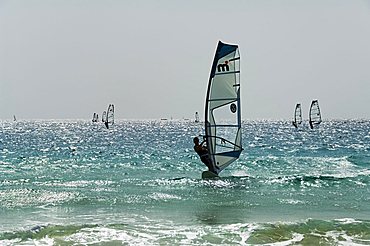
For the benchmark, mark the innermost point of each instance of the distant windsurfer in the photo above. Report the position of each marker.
(294, 124)
(202, 151)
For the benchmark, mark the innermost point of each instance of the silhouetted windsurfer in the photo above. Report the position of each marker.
(202, 151)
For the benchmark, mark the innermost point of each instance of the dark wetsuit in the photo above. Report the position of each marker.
(204, 157)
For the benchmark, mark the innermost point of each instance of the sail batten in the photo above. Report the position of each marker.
(222, 99)
(227, 73)
(223, 108)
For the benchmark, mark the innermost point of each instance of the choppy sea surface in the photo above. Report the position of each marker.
(139, 183)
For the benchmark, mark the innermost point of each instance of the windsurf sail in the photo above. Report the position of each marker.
(95, 117)
(223, 133)
(196, 117)
(315, 114)
(297, 115)
(104, 115)
(109, 120)
(14, 119)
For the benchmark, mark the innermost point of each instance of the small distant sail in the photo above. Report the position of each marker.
(315, 114)
(95, 117)
(109, 120)
(104, 116)
(196, 117)
(297, 115)
(224, 139)
(15, 119)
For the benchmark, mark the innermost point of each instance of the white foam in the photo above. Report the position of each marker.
(297, 237)
(164, 196)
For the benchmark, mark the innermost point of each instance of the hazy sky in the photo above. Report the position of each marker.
(64, 59)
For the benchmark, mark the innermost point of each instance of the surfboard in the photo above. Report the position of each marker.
(209, 175)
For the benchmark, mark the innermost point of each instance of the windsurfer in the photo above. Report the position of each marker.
(311, 125)
(202, 151)
(295, 124)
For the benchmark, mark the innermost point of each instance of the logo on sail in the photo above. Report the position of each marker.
(233, 107)
(223, 67)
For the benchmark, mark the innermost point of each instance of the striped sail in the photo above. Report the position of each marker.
(315, 114)
(109, 120)
(297, 115)
(222, 110)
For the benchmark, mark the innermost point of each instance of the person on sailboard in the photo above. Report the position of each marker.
(294, 124)
(202, 151)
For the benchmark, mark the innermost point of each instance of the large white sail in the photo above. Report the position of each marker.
(109, 120)
(223, 132)
(315, 113)
(297, 115)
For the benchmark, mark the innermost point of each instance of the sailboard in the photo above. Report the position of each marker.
(315, 114)
(297, 120)
(109, 119)
(14, 118)
(223, 133)
(209, 175)
(196, 117)
(104, 115)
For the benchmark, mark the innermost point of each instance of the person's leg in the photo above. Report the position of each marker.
(209, 164)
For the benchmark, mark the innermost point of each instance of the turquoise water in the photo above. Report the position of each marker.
(77, 183)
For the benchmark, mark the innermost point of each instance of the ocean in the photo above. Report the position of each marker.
(65, 182)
